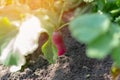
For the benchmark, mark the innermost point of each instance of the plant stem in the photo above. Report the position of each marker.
(62, 26)
(60, 17)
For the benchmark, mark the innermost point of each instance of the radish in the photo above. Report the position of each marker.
(59, 43)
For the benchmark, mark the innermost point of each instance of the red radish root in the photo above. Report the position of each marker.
(59, 43)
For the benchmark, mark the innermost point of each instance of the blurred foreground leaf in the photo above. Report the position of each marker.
(88, 27)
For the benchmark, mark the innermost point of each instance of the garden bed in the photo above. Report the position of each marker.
(74, 65)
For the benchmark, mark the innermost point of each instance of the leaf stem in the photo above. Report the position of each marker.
(62, 26)
(61, 13)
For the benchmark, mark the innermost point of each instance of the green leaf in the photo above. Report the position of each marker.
(116, 56)
(6, 26)
(7, 30)
(50, 51)
(118, 3)
(103, 45)
(100, 4)
(100, 48)
(110, 5)
(14, 50)
(11, 57)
(88, 27)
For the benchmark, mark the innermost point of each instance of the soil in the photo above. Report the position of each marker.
(74, 65)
